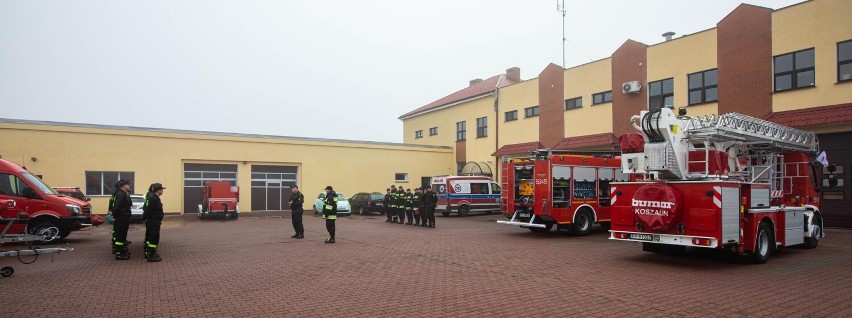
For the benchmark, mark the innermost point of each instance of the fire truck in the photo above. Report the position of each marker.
(569, 189)
(220, 198)
(728, 181)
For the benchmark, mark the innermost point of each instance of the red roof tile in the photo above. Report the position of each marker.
(817, 116)
(588, 141)
(517, 149)
(480, 88)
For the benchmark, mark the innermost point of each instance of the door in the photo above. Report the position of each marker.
(12, 188)
(270, 187)
(195, 175)
(837, 201)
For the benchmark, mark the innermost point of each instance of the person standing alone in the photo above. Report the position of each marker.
(152, 216)
(296, 201)
(430, 200)
(329, 212)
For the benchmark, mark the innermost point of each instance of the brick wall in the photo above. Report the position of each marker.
(744, 55)
(551, 99)
(629, 63)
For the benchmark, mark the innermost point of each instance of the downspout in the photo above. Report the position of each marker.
(496, 94)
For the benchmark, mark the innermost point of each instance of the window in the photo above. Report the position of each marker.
(418, 134)
(602, 97)
(433, 131)
(400, 177)
(11, 185)
(103, 182)
(844, 61)
(661, 94)
(482, 127)
(576, 102)
(703, 87)
(461, 131)
(531, 112)
(512, 115)
(794, 70)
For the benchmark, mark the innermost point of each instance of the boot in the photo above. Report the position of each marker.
(330, 240)
(151, 255)
(295, 235)
(408, 223)
(301, 235)
(432, 225)
(425, 224)
(417, 223)
(122, 253)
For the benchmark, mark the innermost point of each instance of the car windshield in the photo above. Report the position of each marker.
(38, 183)
(340, 196)
(377, 197)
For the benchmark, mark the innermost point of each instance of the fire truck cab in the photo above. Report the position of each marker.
(730, 182)
(562, 188)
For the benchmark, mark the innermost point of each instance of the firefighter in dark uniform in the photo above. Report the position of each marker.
(152, 216)
(386, 206)
(297, 199)
(418, 207)
(400, 205)
(396, 203)
(329, 212)
(409, 206)
(120, 210)
(430, 200)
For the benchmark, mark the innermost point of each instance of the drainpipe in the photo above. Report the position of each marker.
(496, 94)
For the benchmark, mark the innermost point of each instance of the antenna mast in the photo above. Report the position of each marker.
(560, 7)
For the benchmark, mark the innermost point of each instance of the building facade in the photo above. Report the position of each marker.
(792, 66)
(94, 157)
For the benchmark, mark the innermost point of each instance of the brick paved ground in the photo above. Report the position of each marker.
(467, 267)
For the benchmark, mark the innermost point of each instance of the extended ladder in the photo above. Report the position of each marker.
(735, 126)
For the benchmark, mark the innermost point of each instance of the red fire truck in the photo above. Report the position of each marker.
(730, 182)
(220, 198)
(565, 188)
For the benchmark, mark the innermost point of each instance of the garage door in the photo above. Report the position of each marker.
(270, 187)
(194, 177)
(837, 201)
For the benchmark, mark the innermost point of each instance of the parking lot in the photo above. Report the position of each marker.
(466, 267)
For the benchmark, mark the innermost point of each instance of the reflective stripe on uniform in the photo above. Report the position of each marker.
(119, 243)
(332, 217)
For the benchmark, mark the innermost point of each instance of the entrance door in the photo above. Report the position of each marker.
(194, 177)
(270, 187)
(837, 201)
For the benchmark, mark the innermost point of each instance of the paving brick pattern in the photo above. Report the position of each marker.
(467, 267)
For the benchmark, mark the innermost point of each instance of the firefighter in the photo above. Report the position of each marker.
(121, 215)
(409, 206)
(296, 201)
(400, 205)
(152, 216)
(386, 206)
(329, 212)
(418, 206)
(429, 202)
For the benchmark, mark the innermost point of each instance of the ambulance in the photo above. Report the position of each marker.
(465, 194)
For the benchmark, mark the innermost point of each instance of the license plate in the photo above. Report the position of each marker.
(380, 204)
(641, 237)
(524, 215)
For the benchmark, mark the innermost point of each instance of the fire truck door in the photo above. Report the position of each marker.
(542, 195)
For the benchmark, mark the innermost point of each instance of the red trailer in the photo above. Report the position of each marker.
(220, 198)
(563, 188)
(729, 182)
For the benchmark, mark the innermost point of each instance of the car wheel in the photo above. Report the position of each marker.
(49, 230)
(464, 210)
(361, 210)
(445, 213)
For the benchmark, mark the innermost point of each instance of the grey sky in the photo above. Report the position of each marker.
(325, 69)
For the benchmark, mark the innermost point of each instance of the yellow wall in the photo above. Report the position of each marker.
(585, 80)
(817, 24)
(518, 97)
(64, 153)
(678, 58)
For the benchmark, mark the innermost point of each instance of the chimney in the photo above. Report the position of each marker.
(513, 74)
(475, 81)
(668, 35)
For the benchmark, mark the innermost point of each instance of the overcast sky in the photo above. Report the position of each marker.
(324, 69)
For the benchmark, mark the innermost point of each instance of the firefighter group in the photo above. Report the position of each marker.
(418, 207)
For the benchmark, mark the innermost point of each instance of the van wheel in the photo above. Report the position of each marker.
(762, 244)
(464, 210)
(582, 223)
(49, 230)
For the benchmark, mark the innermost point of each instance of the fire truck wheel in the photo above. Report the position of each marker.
(7, 271)
(545, 229)
(813, 241)
(50, 231)
(464, 210)
(582, 223)
(762, 244)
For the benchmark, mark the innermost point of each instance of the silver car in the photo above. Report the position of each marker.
(136, 209)
(343, 207)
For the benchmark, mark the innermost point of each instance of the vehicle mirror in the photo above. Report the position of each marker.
(30, 193)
